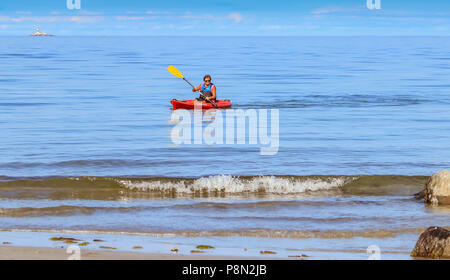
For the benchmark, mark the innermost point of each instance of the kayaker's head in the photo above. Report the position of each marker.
(207, 79)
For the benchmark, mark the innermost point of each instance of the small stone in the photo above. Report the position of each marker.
(267, 253)
(107, 247)
(197, 252)
(204, 247)
(296, 256)
(64, 239)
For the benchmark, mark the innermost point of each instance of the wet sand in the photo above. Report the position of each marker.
(53, 245)
(35, 253)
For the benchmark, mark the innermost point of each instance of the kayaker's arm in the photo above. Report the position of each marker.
(194, 89)
(213, 92)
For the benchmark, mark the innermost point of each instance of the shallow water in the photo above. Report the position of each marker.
(72, 107)
(331, 217)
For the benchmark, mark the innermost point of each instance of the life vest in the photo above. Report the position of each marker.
(207, 90)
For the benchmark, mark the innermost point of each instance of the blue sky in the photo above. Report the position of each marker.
(226, 17)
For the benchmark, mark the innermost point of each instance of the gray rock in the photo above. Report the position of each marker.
(437, 189)
(433, 243)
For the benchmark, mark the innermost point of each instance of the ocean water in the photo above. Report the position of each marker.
(76, 106)
(86, 146)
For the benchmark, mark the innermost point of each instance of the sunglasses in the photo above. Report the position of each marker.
(207, 80)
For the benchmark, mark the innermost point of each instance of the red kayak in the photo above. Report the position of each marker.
(189, 104)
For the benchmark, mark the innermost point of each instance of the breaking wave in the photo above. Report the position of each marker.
(231, 185)
(218, 185)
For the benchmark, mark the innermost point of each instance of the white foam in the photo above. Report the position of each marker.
(230, 184)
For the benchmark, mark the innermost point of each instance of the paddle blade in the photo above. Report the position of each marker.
(175, 71)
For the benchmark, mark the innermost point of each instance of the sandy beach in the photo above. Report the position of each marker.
(35, 253)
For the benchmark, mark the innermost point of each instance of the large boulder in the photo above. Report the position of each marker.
(433, 243)
(437, 190)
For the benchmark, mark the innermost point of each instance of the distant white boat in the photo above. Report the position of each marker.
(39, 33)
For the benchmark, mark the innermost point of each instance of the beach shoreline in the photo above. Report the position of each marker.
(40, 253)
(33, 245)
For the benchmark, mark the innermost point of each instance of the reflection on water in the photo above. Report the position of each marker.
(441, 209)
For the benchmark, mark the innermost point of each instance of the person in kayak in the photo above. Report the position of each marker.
(208, 89)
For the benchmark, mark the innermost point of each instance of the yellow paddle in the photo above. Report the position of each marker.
(172, 69)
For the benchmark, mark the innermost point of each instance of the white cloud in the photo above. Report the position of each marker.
(270, 27)
(149, 12)
(78, 19)
(236, 17)
(335, 9)
(129, 18)
(326, 10)
(286, 27)
(85, 19)
(157, 13)
(191, 16)
(91, 13)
